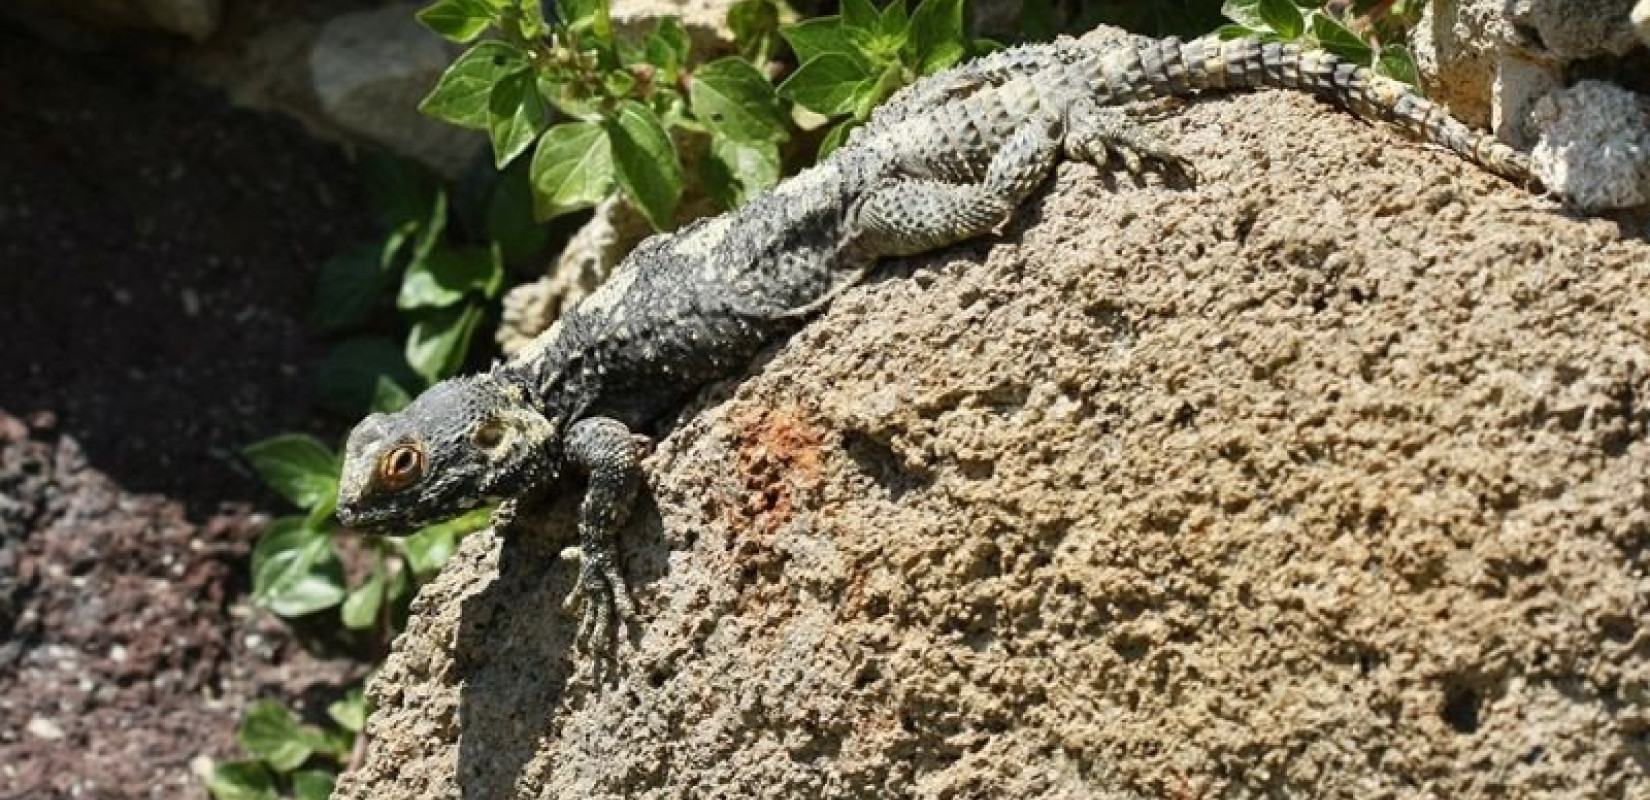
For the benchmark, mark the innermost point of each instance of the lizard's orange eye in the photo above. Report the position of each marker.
(400, 467)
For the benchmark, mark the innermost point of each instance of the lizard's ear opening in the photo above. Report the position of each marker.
(489, 434)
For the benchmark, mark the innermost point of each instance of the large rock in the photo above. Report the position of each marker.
(1326, 478)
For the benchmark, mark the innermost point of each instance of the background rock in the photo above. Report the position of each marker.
(1494, 62)
(1595, 138)
(372, 68)
(1325, 478)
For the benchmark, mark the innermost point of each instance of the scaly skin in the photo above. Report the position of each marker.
(950, 158)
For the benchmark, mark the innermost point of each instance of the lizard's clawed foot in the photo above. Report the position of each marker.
(1099, 135)
(600, 589)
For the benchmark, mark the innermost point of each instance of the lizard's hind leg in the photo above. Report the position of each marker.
(1096, 134)
(905, 216)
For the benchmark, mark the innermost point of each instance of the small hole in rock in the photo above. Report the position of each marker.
(1460, 708)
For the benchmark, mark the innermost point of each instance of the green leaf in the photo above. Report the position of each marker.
(347, 379)
(440, 340)
(350, 712)
(429, 548)
(591, 15)
(836, 137)
(241, 780)
(860, 14)
(458, 20)
(754, 23)
(282, 554)
(297, 466)
(388, 397)
(270, 732)
(1398, 63)
(294, 569)
(319, 589)
(531, 21)
(572, 169)
(429, 232)
(1227, 33)
(1246, 13)
(401, 190)
(667, 48)
(349, 288)
(462, 95)
(936, 35)
(871, 93)
(816, 37)
(894, 20)
(733, 172)
(1283, 17)
(509, 216)
(1332, 36)
(312, 784)
(826, 85)
(515, 116)
(733, 99)
(361, 607)
(645, 163)
(449, 275)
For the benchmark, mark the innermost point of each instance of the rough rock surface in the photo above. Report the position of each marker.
(1325, 478)
(1595, 141)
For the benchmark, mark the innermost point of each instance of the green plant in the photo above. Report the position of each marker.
(850, 63)
(440, 287)
(1367, 32)
(288, 757)
(628, 103)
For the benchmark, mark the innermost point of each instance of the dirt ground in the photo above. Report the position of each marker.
(157, 252)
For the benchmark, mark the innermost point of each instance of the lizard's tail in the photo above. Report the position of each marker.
(1170, 67)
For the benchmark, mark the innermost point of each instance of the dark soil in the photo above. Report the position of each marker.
(157, 252)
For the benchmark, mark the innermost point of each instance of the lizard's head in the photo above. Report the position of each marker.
(463, 442)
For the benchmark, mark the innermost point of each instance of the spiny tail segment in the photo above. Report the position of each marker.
(1169, 67)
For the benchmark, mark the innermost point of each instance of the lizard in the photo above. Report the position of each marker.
(947, 159)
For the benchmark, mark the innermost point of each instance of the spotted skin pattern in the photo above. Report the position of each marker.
(948, 159)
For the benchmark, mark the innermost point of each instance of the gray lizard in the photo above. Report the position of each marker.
(949, 158)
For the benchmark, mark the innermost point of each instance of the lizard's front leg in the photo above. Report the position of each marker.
(606, 451)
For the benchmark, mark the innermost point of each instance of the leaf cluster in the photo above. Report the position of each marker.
(438, 280)
(1355, 32)
(603, 112)
(851, 62)
(288, 758)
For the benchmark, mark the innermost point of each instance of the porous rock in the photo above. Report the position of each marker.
(1595, 145)
(1324, 478)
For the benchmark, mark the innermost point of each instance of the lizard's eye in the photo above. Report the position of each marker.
(488, 435)
(400, 467)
